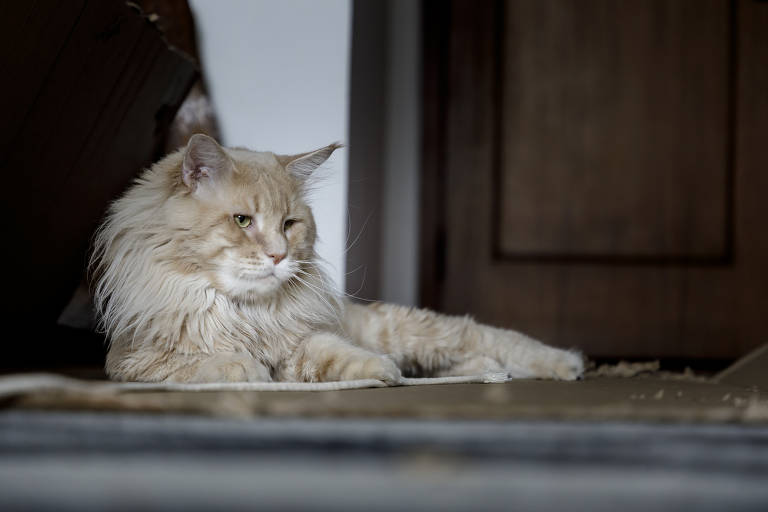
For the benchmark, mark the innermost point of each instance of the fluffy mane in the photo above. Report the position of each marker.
(153, 292)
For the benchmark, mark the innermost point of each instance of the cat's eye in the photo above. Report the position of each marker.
(288, 223)
(242, 220)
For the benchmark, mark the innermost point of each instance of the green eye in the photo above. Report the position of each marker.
(242, 220)
(288, 223)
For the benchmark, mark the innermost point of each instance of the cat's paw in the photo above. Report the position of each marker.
(372, 367)
(231, 367)
(559, 364)
(523, 357)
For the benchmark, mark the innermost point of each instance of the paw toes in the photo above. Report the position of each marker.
(555, 364)
(379, 368)
(569, 366)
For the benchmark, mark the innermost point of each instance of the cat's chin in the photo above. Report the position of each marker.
(250, 288)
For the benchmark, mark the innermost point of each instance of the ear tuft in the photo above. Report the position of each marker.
(302, 165)
(203, 159)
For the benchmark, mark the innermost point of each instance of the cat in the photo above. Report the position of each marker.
(205, 271)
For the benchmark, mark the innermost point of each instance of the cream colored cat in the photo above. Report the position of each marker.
(205, 271)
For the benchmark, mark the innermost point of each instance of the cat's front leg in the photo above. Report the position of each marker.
(521, 356)
(148, 365)
(326, 356)
(227, 367)
(442, 345)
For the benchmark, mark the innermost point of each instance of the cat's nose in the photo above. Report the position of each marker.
(277, 257)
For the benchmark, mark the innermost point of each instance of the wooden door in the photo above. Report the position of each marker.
(596, 173)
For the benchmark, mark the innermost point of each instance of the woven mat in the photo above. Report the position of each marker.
(13, 385)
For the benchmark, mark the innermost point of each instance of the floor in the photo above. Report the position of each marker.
(619, 439)
(97, 461)
(649, 398)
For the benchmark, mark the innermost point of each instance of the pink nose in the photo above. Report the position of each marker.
(277, 257)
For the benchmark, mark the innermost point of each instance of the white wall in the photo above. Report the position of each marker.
(278, 74)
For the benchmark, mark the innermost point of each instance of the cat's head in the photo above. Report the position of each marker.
(242, 216)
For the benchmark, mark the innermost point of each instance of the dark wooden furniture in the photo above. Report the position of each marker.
(89, 89)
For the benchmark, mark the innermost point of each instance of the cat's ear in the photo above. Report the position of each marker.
(302, 165)
(204, 159)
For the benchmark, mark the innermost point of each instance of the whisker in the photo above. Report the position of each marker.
(339, 292)
(362, 265)
(359, 234)
(362, 282)
(319, 294)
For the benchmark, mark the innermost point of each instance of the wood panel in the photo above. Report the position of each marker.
(664, 308)
(614, 129)
(36, 33)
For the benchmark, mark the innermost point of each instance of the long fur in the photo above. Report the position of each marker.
(145, 300)
(166, 252)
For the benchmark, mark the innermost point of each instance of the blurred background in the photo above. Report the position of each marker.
(591, 173)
